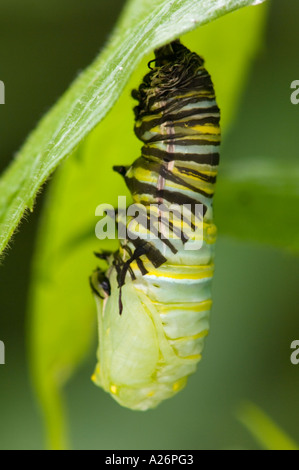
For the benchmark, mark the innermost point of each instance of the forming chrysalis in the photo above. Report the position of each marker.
(154, 299)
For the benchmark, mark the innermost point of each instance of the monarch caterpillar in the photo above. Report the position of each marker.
(154, 299)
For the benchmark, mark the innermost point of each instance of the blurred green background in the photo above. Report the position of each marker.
(255, 312)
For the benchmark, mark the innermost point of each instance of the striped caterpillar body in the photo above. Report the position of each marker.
(155, 297)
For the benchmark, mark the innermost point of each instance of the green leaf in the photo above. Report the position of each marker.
(144, 25)
(263, 429)
(229, 62)
(258, 200)
(62, 310)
